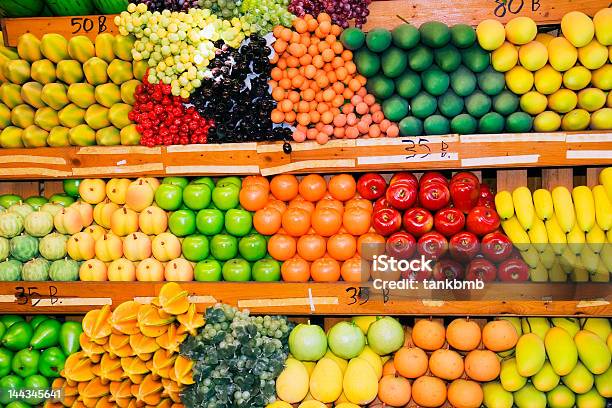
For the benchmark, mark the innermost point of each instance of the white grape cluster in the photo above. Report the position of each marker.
(178, 46)
(264, 15)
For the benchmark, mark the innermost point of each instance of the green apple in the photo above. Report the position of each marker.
(229, 180)
(204, 180)
(209, 221)
(266, 270)
(25, 362)
(252, 247)
(36, 202)
(238, 222)
(223, 247)
(9, 382)
(237, 270)
(197, 196)
(71, 187)
(35, 382)
(6, 200)
(182, 182)
(169, 197)
(182, 223)
(195, 248)
(208, 270)
(61, 199)
(226, 196)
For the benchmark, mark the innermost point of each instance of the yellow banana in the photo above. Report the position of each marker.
(516, 233)
(531, 257)
(539, 273)
(576, 240)
(585, 207)
(9, 52)
(564, 208)
(579, 273)
(538, 235)
(603, 208)
(548, 257)
(504, 205)
(567, 260)
(609, 236)
(601, 275)
(590, 259)
(556, 273)
(605, 178)
(556, 236)
(523, 207)
(606, 257)
(542, 201)
(596, 238)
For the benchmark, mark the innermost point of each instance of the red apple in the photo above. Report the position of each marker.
(449, 221)
(434, 196)
(464, 175)
(513, 270)
(401, 195)
(418, 221)
(465, 191)
(371, 186)
(482, 221)
(482, 269)
(464, 246)
(401, 245)
(386, 221)
(380, 204)
(432, 245)
(405, 177)
(433, 177)
(448, 269)
(486, 198)
(496, 247)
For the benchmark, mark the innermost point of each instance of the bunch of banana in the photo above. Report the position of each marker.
(560, 233)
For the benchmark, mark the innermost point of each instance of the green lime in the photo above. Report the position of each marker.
(478, 104)
(491, 82)
(352, 38)
(505, 103)
(448, 58)
(464, 124)
(423, 105)
(408, 84)
(411, 126)
(71, 187)
(492, 122)
(420, 58)
(405, 36)
(463, 81)
(395, 108)
(378, 39)
(380, 86)
(519, 122)
(436, 125)
(367, 62)
(462, 35)
(435, 81)
(435, 34)
(394, 62)
(475, 58)
(450, 104)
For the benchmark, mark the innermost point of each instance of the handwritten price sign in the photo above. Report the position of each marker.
(30, 295)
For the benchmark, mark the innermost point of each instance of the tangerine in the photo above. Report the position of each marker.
(281, 247)
(342, 246)
(296, 221)
(356, 221)
(326, 221)
(295, 269)
(267, 221)
(284, 187)
(311, 247)
(313, 187)
(253, 197)
(325, 269)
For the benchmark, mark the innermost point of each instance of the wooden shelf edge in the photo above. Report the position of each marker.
(419, 153)
(341, 298)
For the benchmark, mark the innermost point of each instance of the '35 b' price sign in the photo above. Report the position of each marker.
(32, 295)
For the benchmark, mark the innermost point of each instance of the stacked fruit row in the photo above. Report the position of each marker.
(562, 81)
(429, 364)
(560, 233)
(32, 355)
(60, 93)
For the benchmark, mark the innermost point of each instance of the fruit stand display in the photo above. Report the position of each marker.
(198, 201)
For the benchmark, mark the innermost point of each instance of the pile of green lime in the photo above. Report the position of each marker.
(435, 80)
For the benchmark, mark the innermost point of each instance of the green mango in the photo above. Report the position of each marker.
(69, 337)
(546, 379)
(561, 350)
(580, 380)
(590, 399)
(9, 382)
(510, 379)
(18, 336)
(6, 356)
(561, 397)
(35, 382)
(598, 325)
(495, 396)
(530, 354)
(25, 362)
(36, 320)
(593, 351)
(51, 362)
(9, 320)
(570, 324)
(529, 397)
(46, 334)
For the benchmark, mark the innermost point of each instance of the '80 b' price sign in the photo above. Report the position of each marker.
(505, 8)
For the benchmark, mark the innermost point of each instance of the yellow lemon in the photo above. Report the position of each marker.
(578, 28)
(312, 404)
(593, 55)
(491, 34)
(602, 119)
(602, 77)
(533, 55)
(547, 121)
(544, 38)
(577, 78)
(562, 101)
(578, 119)
(279, 404)
(519, 80)
(505, 57)
(603, 26)
(562, 55)
(548, 80)
(521, 30)
(533, 103)
(591, 99)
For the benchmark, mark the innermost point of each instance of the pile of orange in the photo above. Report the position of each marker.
(317, 228)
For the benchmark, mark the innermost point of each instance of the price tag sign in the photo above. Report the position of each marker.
(25, 295)
(504, 8)
(89, 24)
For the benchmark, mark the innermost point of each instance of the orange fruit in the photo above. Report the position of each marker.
(325, 269)
(356, 221)
(342, 246)
(299, 202)
(258, 180)
(296, 221)
(354, 271)
(311, 247)
(295, 269)
(326, 221)
(370, 244)
(253, 197)
(267, 221)
(284, 187)
(342, 187)
(281, 247)
(313, 187)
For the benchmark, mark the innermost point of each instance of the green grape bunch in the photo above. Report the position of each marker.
(256, 16)
(237, 358)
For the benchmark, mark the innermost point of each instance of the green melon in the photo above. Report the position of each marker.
(22, 209)
(4, 248)
(10, 270)
(21, 8)
(36, 270)
(53, 246)
(24, 247)
(11, 224)
(111, 6)
(71, 8)
(64, 270)
(38, 223)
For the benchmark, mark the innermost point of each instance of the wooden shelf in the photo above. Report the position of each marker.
(408, 153)
(312, 298)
